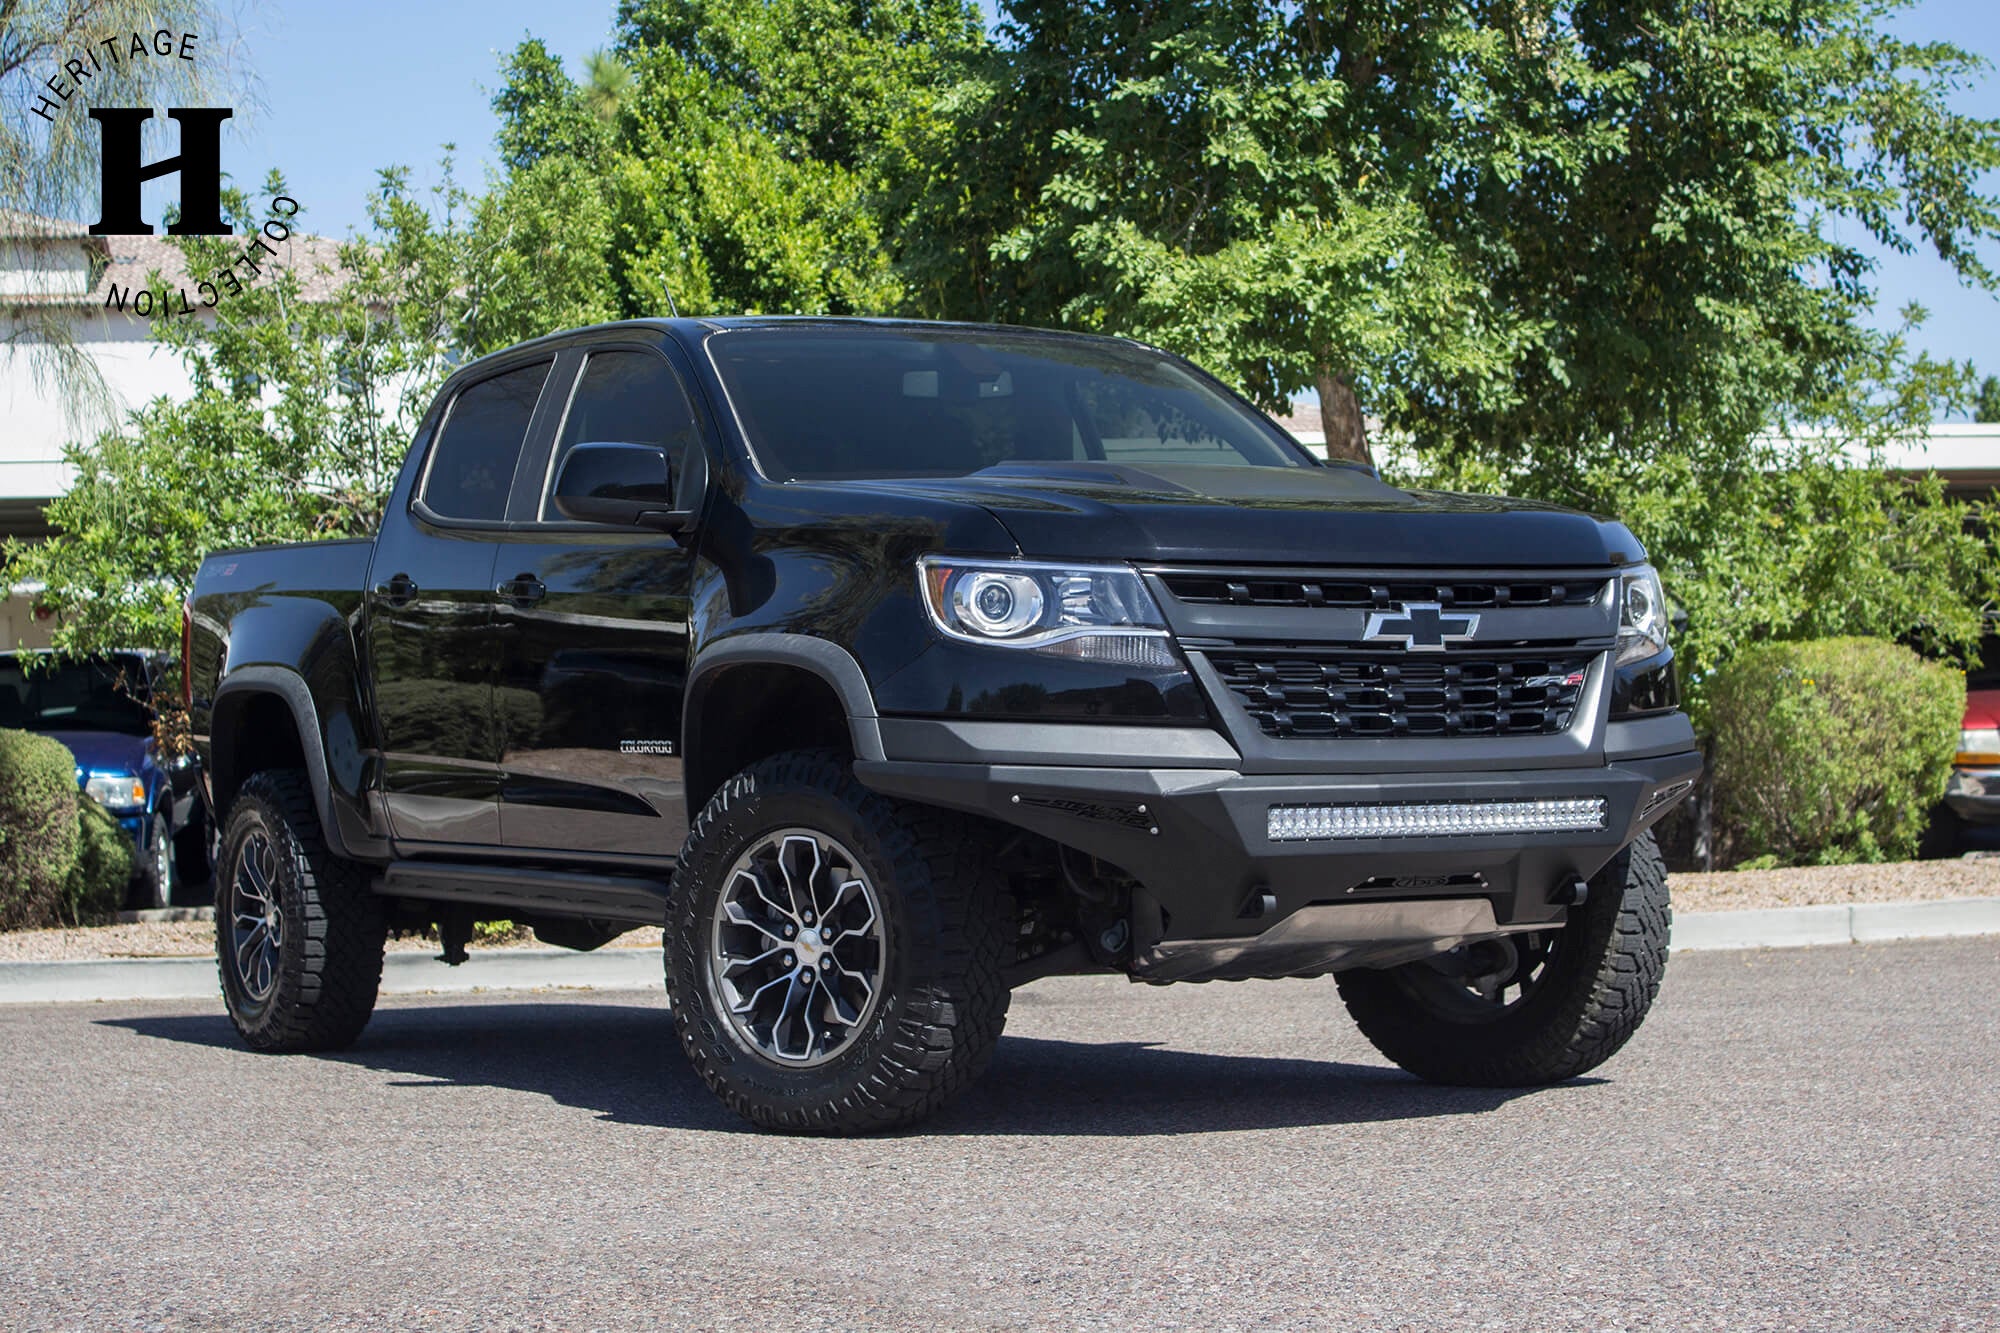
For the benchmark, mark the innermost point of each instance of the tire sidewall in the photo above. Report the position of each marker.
(909, 933)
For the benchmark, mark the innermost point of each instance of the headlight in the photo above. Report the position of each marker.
(1642, 615)
(1978, 747)
(1095, 613)
(120, 793)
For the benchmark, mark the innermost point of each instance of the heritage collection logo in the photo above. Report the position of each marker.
(198, 164)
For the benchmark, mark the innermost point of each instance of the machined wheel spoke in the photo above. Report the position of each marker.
(799, 861)
(749, 1003)
(736, 967)
(739, 916)
(248, 947)
(754, 878)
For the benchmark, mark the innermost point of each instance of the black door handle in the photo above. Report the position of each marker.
(400, 590)
(522, 590)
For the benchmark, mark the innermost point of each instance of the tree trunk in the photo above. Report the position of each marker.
(1340, 418)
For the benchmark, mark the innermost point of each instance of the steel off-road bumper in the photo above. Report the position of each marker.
(1221, 897)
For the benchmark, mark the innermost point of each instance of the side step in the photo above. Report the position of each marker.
(531, 891)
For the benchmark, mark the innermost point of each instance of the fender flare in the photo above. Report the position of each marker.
(290, 687)
(829, 661)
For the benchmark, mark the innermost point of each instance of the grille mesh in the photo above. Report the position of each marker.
(1313, 694)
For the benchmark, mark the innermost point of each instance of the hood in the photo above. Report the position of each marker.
(104, 751)
(1268, 515)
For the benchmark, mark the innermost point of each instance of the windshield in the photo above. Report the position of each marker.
(94, 694)
(854, 401)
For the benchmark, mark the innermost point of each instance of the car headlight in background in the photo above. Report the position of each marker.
(1093, 613)
(1642, 615)
(1978, 747)
(120, 793)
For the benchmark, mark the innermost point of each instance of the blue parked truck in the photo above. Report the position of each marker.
(100, 709)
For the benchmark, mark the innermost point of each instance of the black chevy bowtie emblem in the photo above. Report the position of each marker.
(1423, 627)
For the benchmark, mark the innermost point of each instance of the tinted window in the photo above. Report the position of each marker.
(627, 398)
(854, 401)
(472, 466)
(95, 694)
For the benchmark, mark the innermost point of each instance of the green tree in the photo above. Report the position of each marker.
(740, 145)
(1539, 231)
(1986, 407)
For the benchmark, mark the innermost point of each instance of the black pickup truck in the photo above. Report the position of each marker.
(893, 665)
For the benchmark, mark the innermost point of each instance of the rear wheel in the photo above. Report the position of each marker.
(299, 936)
(833, 956)
(1528, 1009)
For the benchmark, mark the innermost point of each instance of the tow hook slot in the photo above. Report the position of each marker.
(1572, 891)
(1260, 904)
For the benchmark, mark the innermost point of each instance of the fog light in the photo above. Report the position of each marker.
(1299, 823)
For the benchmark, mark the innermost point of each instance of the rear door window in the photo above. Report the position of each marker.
(472, 465)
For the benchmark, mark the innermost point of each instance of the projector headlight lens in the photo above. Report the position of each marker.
(1093, 613)
(1642, 615)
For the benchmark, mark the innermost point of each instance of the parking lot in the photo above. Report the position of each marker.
(1798, 1139)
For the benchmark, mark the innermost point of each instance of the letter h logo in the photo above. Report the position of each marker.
(199, 163)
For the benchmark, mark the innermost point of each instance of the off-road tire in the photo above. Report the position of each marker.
(943, 1001)
(1602, 980)
(330, 956)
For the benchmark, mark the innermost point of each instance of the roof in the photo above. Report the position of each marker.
(128, 261)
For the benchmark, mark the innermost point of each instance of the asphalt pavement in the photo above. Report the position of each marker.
(1798, 1139)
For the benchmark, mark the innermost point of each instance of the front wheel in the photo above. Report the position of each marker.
(833, 956)
(1525, 1010)
(158, 876)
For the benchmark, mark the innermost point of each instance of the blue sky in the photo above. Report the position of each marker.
(351, 87)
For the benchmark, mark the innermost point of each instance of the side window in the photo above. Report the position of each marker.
(472, 464)
(627, 398)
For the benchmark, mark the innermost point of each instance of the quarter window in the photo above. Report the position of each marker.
(472, 467)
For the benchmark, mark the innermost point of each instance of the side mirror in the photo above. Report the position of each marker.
(630, 485)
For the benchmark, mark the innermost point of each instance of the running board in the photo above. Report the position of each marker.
(530, 891)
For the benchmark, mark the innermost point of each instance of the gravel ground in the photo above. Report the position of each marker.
(1795, 1141)
(1813, 886)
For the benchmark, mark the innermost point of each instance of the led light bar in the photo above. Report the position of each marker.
(1301, 823)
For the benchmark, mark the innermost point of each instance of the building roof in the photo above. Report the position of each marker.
(128, 261)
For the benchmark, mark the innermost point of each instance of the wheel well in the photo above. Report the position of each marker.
(261, 732)
(747, 712)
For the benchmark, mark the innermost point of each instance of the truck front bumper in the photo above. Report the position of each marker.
(1221, 896)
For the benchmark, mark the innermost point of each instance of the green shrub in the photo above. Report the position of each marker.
(38, 829)
(104, 863)
(1831, 750)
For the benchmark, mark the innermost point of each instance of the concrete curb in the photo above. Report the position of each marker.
(1860, 923)
(639, 969)
(402, 974)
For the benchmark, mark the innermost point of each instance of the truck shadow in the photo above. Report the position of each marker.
(623, 1063)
